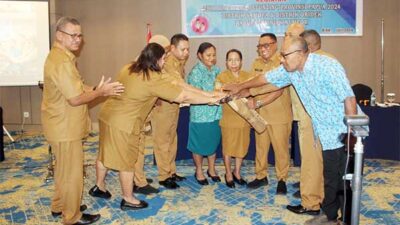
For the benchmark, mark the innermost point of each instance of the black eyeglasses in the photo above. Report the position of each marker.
(265, 45)
(74, 36)
(287, 54)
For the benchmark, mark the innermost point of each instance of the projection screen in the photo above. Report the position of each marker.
(24, 41)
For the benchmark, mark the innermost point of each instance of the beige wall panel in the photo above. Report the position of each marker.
(36, 99)
(10, 101)
(115, 32)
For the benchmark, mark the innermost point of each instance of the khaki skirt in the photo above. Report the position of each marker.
(235, 141)
(118, 150)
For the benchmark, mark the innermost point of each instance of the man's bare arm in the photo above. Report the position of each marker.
(236, 88)
(350, 106)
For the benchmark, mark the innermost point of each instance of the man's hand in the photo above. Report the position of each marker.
(243, 93)
(107, 88)
(218, 99)
(251, 103)
(232, 88)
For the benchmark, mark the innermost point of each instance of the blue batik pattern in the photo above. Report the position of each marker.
(204, 79)
(322, 87)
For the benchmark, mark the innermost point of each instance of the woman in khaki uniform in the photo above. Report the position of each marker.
(121, 118)
(235, 130)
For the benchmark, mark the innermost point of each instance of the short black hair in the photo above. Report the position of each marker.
(177, 38)
(271, 35)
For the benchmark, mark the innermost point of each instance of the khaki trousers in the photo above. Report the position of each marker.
(164, 122)
(139, 174)
(278, 135)
(311, 170)
(68, 179)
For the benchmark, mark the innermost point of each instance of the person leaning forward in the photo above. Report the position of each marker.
(121, 118)
(141, 183)
(66, 120)
(317, 77)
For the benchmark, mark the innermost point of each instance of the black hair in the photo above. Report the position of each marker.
(204, 46)
(233, 50)
(148, 60)
(177, 38)
(271, 35)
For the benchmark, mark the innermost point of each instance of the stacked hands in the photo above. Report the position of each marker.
(108, 88)
(236, 91)
(218, 97)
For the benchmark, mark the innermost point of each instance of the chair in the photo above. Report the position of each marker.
(362, 92)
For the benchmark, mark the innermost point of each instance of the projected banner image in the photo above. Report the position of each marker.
(24, 41)
(210, 18)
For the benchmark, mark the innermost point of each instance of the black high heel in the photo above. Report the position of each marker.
(238, 181)
(214, 178)
(230, 184)
(201, 182)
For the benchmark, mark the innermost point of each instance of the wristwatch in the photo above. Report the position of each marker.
(258, 104)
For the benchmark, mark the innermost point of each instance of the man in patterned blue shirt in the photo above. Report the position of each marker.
(326, 94)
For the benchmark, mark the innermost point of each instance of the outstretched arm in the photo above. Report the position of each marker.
(104, 88)
(236, 88)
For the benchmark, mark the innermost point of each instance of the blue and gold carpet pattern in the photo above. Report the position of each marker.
(25, 196)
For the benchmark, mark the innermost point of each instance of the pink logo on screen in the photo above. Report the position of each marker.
(199, 24)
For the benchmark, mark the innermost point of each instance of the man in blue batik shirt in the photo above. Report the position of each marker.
(326, 94)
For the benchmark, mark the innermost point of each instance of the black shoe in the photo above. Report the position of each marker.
(238, 181)
(256, 183)
(214, 178)
(281, 188)
(299, 209)
(146, 190)
(201, 182)
(96, 192)
(230, 184)
(297, 194)
(127, 206)
(56, 214)
(296, 185)
(87, 219)
(177, 178)
(149, 180)
(169, 183)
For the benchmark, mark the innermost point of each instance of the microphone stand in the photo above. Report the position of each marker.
(356, 123)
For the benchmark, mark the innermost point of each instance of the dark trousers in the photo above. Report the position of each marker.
(334, 169)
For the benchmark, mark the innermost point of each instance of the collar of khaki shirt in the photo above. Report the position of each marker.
(275, 57)
(176, 63)
(69, 54)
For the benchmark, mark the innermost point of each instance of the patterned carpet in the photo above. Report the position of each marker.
(25, 195)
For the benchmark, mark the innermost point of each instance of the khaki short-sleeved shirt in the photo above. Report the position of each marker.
(280, 110)
(129, 111)
(175, 68)
(229, 117)
(61, 121)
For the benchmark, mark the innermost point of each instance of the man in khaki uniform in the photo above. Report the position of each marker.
(275, 108)
(165, 117)
(66, 120)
